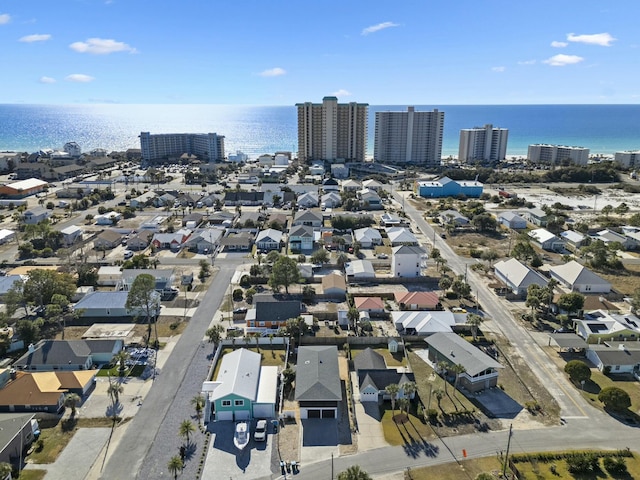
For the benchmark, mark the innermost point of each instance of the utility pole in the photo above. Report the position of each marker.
(506, 458)
(331, 465)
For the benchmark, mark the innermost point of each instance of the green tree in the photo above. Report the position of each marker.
(342, 259)
(615, 399)
(120, 359)
(489, 256)
(5, 469)
(353, 315)
(14, 299)
(71, 400)
(474, 320)
(523, 251)
(354, 472)
(238, 295)
(571, 302)
(578, 371)
(42, 285)
(114, 390)
(458, 369)
(198, 403)
(439, 394)
(29, 330)
(215, 333)
(186, 429)
(534, 297)
(445, 283)
(484, 222)
(175, 466)
(392, 390)
(606, 210)
(272, 257)
(460, 287)
(295, 328)
(320, 256)
(143, 296)
(409, 389)
(284, 273)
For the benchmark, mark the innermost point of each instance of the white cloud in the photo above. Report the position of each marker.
(526, 62)
(378, 27)
(4, 18)
(80, 78)
(602, 39)
(101, 46)
(341, 93)
(556, 44)
(561, 60)
(273, 72)
(498, 69)
(47, 80)
(37, 37)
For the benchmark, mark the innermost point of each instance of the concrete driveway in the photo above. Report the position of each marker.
(225, 461)
(497, 403)
(319, 439)
(370, 432)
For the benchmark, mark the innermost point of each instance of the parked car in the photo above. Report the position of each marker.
(128, 254)
(260, 435)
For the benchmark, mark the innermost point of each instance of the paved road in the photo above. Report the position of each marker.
(136, 446)
(572, 404)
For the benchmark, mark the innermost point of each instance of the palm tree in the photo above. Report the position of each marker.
(198, 404)
(121, 359)
(354, 472)
(439, 394)
(458, 369)
(175, 465)
(71, 400)
(443, 366)
(474, 320)
(186, 429)
(392, 390)
(353, 315)
(114, 390)
(409, 388)
(5, 469)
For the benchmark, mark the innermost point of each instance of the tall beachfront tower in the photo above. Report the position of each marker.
(163, 146)
(332, 130)
(409, 137)
(483, 144)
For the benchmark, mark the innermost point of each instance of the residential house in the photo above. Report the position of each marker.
(143, 200)
(574, 240)
(204, 241)
(372, 184)
(334, 285)
(107, 240)
(140, 241)
(609, 236)
(71, 234)
(109, 276)
(546, 240)
(277, 221)
(232, 198)
(512, 220)
(49, 355)
(351, 185)
(222, 218)
(212, 199)
(331, 200)
(367, 237)
(269, 239)
(536, 216)
(235, 242)
(615, 357)
(249, 220)
(417, 300)
(517, 276)
(359, 269)
(401, 236)
(242, 390)
(369, 304)
(318, 387)
(406, 261)
(163, 277)
(330, 185)
(480, 370)
(369, 199)
(339, 170)
(192, 220)
(166, 199)
(445, 187)
(301, 238)
(154, 224)
(602, 326)
(271, 314)
(186, 200)
(453, 217)
(6, 236)
(309, 218)
(172, 241)
(579, 278)
(109, 218)
(390, 220)
(426, 323)
(19, 430)
(35, 215)
(113, 305)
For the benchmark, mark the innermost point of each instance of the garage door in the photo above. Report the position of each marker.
(328, 414)
(242, 415)
(313, 413)
(226, 415)
(263, 410)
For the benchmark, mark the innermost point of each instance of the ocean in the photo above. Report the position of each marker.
(254, 130)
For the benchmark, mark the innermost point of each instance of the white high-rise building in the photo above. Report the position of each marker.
(556, 154)
(209, 146)
(331, 130)
(409, 137)
(483, 144)
(628, 159)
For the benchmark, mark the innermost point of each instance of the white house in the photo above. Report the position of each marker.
(512, 220)
(578, 278)
(600, 325)
(35, 215)
(609, 236)
(517, 276)
(308, 200)
(574, 239)
(406, 261)
(331, 200)
(401, 236)
(301, 238)
(71, 234)
(359, 269)
(546, 240)
(368, 237)
(6, 236)
(351, 185)
(269, 239)
(616, 357)
(426, 322)
(109, 276)
(372, 184)
(109, 218)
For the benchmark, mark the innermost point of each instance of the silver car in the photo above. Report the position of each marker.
(260, 435)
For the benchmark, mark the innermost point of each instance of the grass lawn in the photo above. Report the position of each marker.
(542, 471)
(453, 471)
(31, 475)
(407, 432)
(392, 359)
(175, 326)
(271, 357)
(599, 381)
(136, 371)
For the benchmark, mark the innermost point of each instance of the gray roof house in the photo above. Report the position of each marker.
(579, 278)
(35, 215)
(537, 216)
(517, 276)
(111, 305)
(318, 386)
(453, 216)
(49, 355)
(369, 359)
(163, 276)
(546, 240)
(481, 371)
(269, 239)
(308, 218)
(270, 313)
(204, 241)
(374, 377)
(512, 220)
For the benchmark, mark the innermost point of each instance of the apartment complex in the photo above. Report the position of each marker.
(409, 137)
(483, 144)
(331, 130)
(628, 159)
(207, 146)
(556, 154)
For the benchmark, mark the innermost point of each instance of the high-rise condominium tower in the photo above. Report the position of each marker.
(332, 130)
(162, 146)
(483, 144)
(409, 137)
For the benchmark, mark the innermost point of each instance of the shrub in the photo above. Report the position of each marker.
(578, 371)
(615, 466)
(583, 463)
(614, 398)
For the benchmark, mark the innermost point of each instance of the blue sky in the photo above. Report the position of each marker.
(282, 51)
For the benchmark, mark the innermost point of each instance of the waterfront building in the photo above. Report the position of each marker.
(483, 144)
(556, 154)
(628, 159)
(445, 187)
(159, 147)
(331, 130)
(409, 137)
(73, 149)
